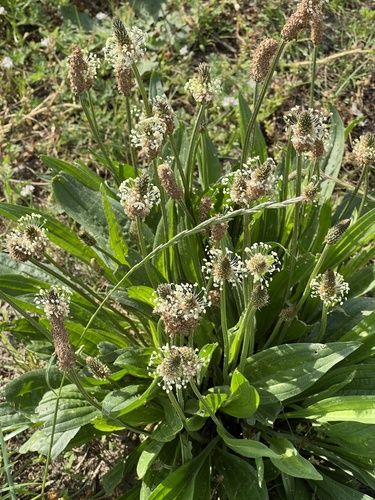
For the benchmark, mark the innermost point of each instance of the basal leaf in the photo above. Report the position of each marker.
(341, 408)
(291, 462)
(284, 371)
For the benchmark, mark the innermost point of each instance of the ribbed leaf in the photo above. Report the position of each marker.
(291, 462)
(284, 371)
(342, 408)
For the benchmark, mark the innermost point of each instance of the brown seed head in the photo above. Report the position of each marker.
(262, 59)
(259, 296)
(78, 69)
(214, 297)
(335, 233)
(296, 22)
(288, 313)
(168, 181)
(204, 208)
(218, 231)
(317, 28)
(63, 348)
(124, 79)
(97, 368)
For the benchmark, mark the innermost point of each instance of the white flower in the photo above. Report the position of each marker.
(6, 62)
(330, 287)
(223, 266)
(181, 307)
(149, 134)
(27, 190)
(202, 87)
(138, 196)
(56, 302)
(175, 365)
(253, 181)
(46, 42)
(126, 46)
(2, 11)
(184, 50)
(101, 15)
(261, 262)
(309, 130)
(229, 101)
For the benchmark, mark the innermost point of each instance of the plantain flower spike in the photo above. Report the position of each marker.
(262, 59)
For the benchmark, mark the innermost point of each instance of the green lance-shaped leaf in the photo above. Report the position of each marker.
(340, 408)
(284, 371)
(333, 163)
(291, 462)
(246, 447)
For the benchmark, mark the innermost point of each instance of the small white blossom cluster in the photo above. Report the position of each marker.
(181, 307)
(175, 365)
(148, 135)
(315, 6)
(55, 301)
(27, 190)
(261, 262)
(330, 287)
(309, 130)
(364, 150)
(6, 62)
(28, 239)
(253, 181)
(138, 196)
(202, 87)
(223, 266)
(125, 47)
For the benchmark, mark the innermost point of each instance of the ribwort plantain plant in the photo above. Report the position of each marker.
(223, 316)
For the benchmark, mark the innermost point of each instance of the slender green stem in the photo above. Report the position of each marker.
(355, 192)
(248, 339)
(204, 403)
(7, 467)
(48, 459)
(273, 335)
(313, 75)
(179, 165)
(224, 330)
(142, 90)
(259, 101)
(178, 409)
(72, 374)
(129, 122)
(364, 196)
(246, 243)
(190, 155)
(88, 296)
(252, 138)
(24, 314)
(296, 227)
(143, 250)
(323, 323)
(90, 115)
(163, 203)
